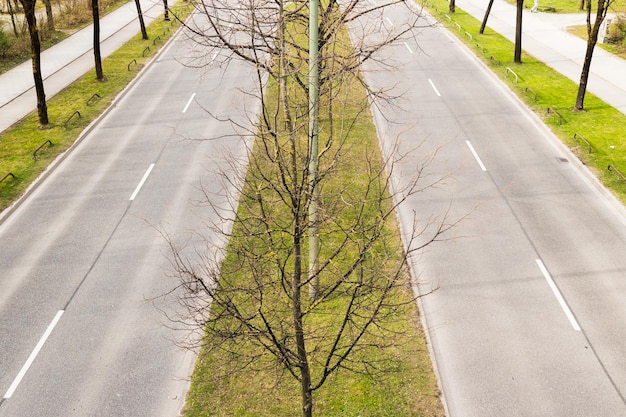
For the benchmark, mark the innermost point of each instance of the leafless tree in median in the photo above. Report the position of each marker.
(256, 295)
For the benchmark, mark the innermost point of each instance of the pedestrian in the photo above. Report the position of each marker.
(535, 7)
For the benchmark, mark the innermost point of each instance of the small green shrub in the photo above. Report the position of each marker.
(617, 30)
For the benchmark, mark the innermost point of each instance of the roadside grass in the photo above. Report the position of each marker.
(407, 387)
(72, 110)
(552, 97)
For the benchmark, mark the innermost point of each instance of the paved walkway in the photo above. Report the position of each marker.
(70, 59)
(544, 37)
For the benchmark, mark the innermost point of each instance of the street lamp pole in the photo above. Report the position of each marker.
(313, 147)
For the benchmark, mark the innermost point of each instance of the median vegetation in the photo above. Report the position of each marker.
(597, 136)
(282, 333)
(26, 150)
(388, 372)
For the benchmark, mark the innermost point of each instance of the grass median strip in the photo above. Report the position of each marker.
(406, 386)
(26, 149)
(597, 135)
(258, 316)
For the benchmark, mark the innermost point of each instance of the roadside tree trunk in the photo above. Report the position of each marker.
(96, 39)
(452, 7)
(31, 19)
(12, 14)
(144, 33)
(166, 12)
(484, 24)
(49, 15)
(517, 58)
(592, 39)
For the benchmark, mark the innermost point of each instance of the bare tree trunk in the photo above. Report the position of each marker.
(31, 19)
(592, 39)
(12, 13)
(484, 24)
(517, 58)
(166, 13)
(49, 15)
(303, 359)
(144, 34)
(452, 6)
(96, 39)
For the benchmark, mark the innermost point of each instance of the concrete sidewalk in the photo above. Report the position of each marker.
(545, 37)
(69, 60)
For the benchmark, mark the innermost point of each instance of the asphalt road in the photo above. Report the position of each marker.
(528, 317)
(84, 265)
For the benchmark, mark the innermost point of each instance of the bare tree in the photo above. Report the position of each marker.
(95, 11)
(485, 18)
(602, 7)
(256, 296)
(49, 15)
(166, 11)
(142, 25)
(12, 12)
(517, 55)
(31, 19)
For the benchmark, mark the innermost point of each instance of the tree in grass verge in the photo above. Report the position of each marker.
(95, 11)
(251, 301)
(35, 45)
(517, 54)
(602, 7)
(142, 25)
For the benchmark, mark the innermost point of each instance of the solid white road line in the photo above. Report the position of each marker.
(145, 177)
(33, 355)
(480, 163)
(432, 84)
(189, 103)
(557, 294)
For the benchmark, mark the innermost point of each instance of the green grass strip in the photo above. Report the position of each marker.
(407, 386)
(600, 128)
(72, 110)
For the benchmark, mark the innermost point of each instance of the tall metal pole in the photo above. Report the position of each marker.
(314, 103)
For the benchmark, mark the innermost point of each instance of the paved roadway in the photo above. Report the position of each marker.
(529, 316)
(82, 259)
